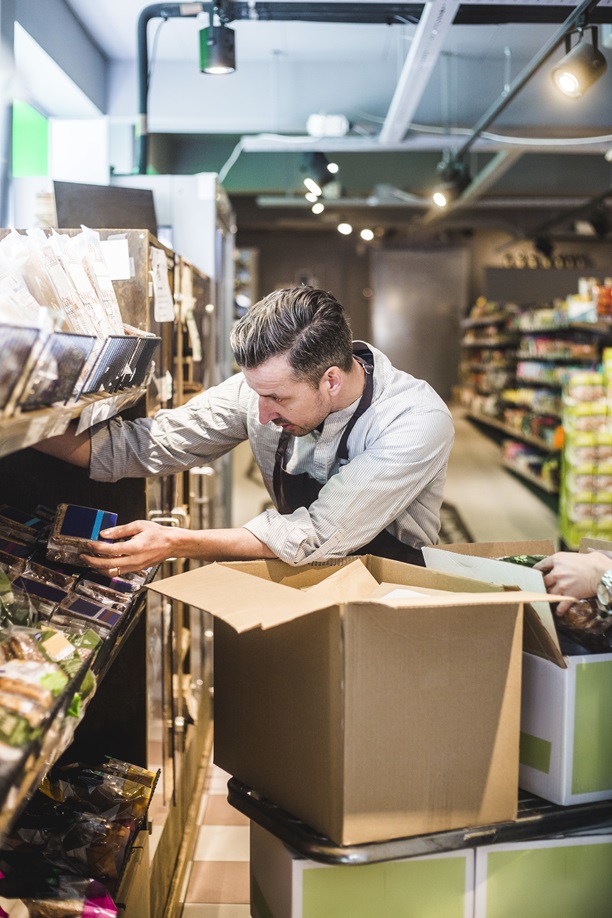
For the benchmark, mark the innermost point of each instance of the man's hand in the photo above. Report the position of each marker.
(573, 574)
(143, 543)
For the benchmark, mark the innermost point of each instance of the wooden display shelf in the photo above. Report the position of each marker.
(25, 429)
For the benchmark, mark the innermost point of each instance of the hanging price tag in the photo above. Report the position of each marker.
(163, 302)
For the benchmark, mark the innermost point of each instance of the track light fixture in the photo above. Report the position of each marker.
(599, 219)
(217, 46)
(582, 65)
(544, 245)
(455, 178)
(318, 171)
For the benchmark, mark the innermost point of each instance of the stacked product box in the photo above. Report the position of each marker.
(566, 731)
(565, 877)
(585, 502)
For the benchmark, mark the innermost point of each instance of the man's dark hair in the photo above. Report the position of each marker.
(305, 324)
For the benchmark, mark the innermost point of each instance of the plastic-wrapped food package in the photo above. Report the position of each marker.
(110, 795)
(55, 897)
(17, 305)
(69, 256)
(99, 275)
(65, 294)
(74, 527)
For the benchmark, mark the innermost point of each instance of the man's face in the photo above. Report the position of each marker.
(288, 402)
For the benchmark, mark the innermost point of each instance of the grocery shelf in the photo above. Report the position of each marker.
(20, 778)
(529, 476)
(493, 319)
(497, 341)
(26, 428)
(511, 431)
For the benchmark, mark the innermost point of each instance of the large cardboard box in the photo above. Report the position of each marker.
(286, 885)
(365, 718)
(566, 728)
(564, 877)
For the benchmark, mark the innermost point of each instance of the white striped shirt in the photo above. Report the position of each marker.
(394, 477)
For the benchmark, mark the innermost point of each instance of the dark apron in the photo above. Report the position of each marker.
(293, 491)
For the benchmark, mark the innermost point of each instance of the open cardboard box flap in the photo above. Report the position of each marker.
(246, 599)
(594, 544)
(479, 559)
(349, 583)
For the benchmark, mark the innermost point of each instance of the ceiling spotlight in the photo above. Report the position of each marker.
(312, 186)
(600, 220)
(367, 234)
(318, 208)
(217, 49)
(315, 167)
(455, 179)
(333, 168)
(582, 65)
(345, 228)
(311, 196)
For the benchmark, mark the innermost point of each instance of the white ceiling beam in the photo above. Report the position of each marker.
(277, 143)
(293, 202)
(436, 19)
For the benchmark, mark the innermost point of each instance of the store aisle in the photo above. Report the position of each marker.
(494, 505)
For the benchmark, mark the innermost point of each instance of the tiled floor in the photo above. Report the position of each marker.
(217, 882)
(495, 507)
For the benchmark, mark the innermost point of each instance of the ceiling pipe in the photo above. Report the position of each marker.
(578, 15)
(580, 12)
(154, 11)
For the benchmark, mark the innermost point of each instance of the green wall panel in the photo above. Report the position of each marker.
(30, 141)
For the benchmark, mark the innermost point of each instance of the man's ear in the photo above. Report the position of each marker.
(333, 379)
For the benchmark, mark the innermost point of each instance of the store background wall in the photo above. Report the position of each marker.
(409, 300)
(323, 259)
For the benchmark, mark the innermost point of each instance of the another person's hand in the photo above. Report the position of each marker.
(574, 574)
(142, 544)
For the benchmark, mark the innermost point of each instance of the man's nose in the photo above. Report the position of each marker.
(267, 410)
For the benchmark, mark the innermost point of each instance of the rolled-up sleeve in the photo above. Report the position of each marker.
(206, 427)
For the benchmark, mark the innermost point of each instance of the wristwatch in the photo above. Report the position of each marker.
(604, 593)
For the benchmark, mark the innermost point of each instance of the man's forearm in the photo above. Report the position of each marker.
(221, 545)
(69, 446)
(143, 543)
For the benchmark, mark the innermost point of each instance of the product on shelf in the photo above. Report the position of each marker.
(74, 527)
(67, 852)
(60, 324)
(586, 497)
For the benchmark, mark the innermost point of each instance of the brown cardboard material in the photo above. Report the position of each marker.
(477, 559)
(366, 720)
